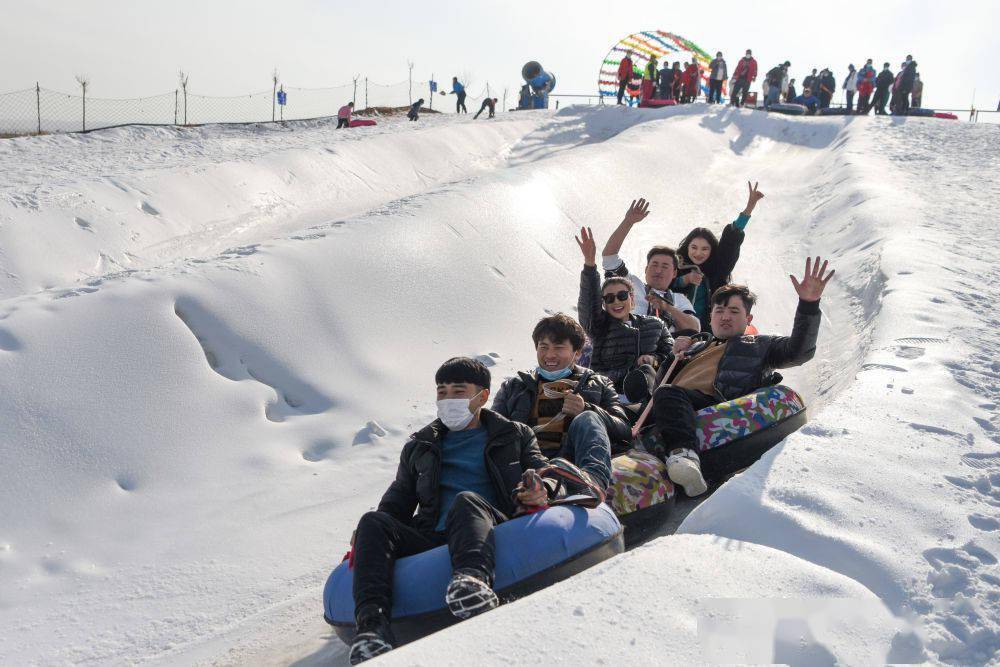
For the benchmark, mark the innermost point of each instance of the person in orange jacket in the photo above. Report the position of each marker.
(625, 68)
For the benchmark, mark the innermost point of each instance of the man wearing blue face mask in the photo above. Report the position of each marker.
(458, 477)
(574, 412)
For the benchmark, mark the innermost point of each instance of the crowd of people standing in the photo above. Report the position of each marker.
(864, 89)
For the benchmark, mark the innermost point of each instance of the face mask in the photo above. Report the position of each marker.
(556, 375)
(455, 413)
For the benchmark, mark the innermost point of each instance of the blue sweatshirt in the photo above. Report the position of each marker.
(463, 468)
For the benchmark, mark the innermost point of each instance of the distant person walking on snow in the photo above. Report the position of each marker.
(866, 84)
(414, 112)
(489, 103)
(344, 115)
(790, 93)
(743, 76)
(883, 82)
(918, 92)
(667, 82)
(811, 82)
(459, 90)
(906, 85)
(850, 87)
(775, 77)
(624, 75)
(717, 76)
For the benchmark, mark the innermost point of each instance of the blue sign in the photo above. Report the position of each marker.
(434, 86)
(282, 97)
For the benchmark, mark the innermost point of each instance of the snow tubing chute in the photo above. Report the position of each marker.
(532, 552)
(731, 436)
(790, 109)
(361, 122)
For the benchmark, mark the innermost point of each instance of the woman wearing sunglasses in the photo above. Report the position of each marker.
(627, 347)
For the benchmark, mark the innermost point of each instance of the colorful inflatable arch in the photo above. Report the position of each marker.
(643, 45)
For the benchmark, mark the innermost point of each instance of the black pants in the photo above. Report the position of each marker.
(714, 90)
(343, 122)
(903, 102)
(381, 540)
(460, 103)
(673, 412)
(482, 109)
(881, 97)
(824, 99)
(863, 107)
(621, 89)
(738, 93)
(850, 101)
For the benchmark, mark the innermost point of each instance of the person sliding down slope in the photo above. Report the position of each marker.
(808, 100)
(624, 343)
(730, 365)
(652, 296)
(461, 474)
(709, 260)
(574, 411)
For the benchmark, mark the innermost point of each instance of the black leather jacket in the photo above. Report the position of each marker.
(516, 399)
(748, 362)
(511, 449)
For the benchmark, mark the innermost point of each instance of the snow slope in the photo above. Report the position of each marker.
(257, 314)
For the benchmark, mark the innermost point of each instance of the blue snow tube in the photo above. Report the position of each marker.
(533, 552)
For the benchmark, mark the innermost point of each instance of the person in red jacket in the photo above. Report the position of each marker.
(624, 75)
(693, 83)
(685, 83)
(866, 85)
(743, 76)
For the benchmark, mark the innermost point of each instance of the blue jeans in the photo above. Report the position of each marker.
(772, 95)
(588, 446)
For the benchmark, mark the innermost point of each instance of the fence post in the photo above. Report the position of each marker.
(38, 106)
(175, 106)
(83, 81)
(504, 100)
(366, 92)
(354, 95)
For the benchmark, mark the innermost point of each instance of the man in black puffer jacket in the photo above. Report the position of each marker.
(624, 343)
(731, 364)
(462, 475)
(574, 412)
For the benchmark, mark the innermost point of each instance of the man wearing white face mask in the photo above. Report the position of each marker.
(457, 479)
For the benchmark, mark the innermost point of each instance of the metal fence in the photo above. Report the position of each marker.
(40, 110)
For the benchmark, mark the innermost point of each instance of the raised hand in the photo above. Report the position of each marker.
(813, 283)
(587, 246)
(754, 197)
(637, 212)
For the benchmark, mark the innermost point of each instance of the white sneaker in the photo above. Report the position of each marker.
(468, 596)
(684, 468)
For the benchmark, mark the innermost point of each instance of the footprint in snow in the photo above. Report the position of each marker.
(83, 224)
(369, 433)
(8, 341)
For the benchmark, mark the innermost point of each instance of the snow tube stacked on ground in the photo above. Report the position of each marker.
(835, 111)
(654, 103)
(361, 122)
(790, 109)
(532, 552)
(945, 114)
(731, 436)
(925, 113)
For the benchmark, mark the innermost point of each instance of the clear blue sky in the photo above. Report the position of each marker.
(134, 47)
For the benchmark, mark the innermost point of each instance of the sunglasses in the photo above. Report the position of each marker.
(611, 296)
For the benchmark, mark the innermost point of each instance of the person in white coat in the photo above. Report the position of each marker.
(850, 87)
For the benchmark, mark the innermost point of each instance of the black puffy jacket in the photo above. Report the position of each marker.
(511, 449)
(618, 344)
(516, 397)
(748, 363)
